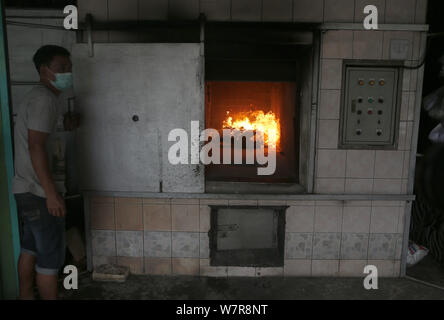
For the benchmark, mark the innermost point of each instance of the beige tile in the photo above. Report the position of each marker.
(401, 220)
(185, 266)
(102, 216)
(330, 185)
(158, 266)
(360, 163)
(156, 201)
(357, 203)
(397, 35)
(328, 219)
(209, 271)
(329, 203)
(241, 271)
(402, 135)
(397, 269)
(361, 4)
(185, 217)
(400, 11)
(300, 219)
(406, 165)
(359, 186)
(99, 260)
(129, 216)
(403, 115)
(328, 134)
(185, 201)
(337, 44)
(356, 219)
(406, 77)
(339, 10)
(387, 186)
(157, 217)
(412, 101)
(98, 199)
(352, 268)
(298, 268)
(388, 164)
(384, 220)
(331, 163)
(329, 104)
(134, 264)
(331, 73)
(386, 203)
(204, 218)
(325, 268)
(417, 47)
(367, 44)
(269, 272)
(122, 200)
(385, 268)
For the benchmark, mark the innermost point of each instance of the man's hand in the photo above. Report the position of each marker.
(71, 121)
(56, 204)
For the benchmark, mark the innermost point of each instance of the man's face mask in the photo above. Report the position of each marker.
(63, 81)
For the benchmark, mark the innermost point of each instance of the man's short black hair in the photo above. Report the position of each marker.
(45, 54)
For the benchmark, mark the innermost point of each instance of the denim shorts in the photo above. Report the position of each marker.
(43, 235)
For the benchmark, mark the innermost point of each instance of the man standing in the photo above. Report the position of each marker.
(40, 206)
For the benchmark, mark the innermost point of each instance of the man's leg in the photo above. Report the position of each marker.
(25, 268)
(47, 285)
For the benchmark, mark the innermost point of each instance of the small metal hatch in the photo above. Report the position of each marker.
(247, 236)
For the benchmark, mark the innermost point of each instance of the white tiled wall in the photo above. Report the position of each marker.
(362, 171)
(390, 11)
(322, 238)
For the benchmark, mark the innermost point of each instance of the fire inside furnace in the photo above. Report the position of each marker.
(265, 113)
(267, 123)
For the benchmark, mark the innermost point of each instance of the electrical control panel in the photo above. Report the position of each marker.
(370, 102)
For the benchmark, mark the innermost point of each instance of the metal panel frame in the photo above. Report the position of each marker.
(237, 257)
(398, 94)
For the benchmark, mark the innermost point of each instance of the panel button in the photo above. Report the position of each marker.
(371, 82)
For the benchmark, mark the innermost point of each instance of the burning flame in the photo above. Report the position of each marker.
(257, 121)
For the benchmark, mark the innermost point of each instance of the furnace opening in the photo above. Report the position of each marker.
(245, 109)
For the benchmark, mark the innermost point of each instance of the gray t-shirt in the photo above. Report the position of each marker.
(38, 111)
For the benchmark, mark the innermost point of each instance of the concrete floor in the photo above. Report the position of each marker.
(172, 288)
(428, 270)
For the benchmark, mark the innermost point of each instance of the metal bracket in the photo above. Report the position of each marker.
(88, 20)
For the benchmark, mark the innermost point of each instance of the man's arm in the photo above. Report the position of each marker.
(39, 158)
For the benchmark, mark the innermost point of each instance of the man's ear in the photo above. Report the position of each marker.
(46, 73)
